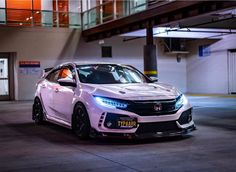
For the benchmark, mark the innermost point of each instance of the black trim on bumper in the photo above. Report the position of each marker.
(147, 135)
(154, 127)
(167, 133)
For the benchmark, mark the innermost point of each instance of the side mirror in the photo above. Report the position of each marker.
(67, 82)
(153, 78)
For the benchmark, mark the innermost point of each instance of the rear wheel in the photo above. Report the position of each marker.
(37, 114)
(80, 122)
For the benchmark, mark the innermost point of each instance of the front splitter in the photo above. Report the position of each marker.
(180, 132)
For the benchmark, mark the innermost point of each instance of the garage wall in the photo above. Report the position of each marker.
(52, 46)
(209, 74)
(131, 52)
(49, 46)
(171, 71)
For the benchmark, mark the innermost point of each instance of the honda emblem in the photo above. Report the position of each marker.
(158, 107)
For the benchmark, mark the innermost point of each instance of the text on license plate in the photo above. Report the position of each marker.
(127, 124)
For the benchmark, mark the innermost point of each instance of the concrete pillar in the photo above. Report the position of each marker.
(150, 60)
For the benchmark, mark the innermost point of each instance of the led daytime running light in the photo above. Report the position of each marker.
(110, 103)
(181, 101)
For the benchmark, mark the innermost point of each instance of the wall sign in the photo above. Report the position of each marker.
(29, 67)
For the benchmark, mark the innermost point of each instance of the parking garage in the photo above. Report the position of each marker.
(188, 44)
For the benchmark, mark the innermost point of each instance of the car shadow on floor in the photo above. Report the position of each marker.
(60, 135)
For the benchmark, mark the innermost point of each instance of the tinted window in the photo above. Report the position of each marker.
(67, 72)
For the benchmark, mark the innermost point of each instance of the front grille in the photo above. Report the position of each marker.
(146, 108)
(155, 127)
(185, 117)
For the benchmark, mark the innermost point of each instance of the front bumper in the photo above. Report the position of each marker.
(157, 134)
(154, 129)
(181, 125)
(104, 122)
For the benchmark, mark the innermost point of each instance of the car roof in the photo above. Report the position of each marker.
(91, 63)
(85, 63)
(77, 63)
(48, 70)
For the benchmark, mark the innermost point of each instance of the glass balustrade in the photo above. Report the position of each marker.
(42, 18)
(2, 16)
(115, 9)
(111, 10)
(46, 19)
(74, 20)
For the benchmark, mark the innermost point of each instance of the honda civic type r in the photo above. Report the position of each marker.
(105, 99)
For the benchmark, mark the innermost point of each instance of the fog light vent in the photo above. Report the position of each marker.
(101, 120)
(185, 117)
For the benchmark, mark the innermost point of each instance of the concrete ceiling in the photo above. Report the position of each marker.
(174, 14)
(221, 20)
(211, 26)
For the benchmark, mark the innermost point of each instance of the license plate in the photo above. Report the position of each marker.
(131, 123)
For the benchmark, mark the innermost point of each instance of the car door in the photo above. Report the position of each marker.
(46, 92)
(63, 95)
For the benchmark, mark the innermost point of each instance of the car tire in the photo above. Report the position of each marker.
(37, 112)
(80, 122)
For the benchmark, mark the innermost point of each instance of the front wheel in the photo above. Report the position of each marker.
(80, 122)
(37, 112)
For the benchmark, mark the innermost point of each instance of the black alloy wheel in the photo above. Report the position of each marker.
(80, 122)
(37, 114)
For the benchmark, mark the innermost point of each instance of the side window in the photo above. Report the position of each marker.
(67, 72)
(53, 76)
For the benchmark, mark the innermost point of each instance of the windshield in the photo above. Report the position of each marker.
(109, 74)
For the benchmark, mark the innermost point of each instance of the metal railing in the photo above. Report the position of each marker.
(116, 9)
(111, 10)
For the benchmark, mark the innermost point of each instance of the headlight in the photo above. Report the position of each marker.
(111, 103)
(182, 100)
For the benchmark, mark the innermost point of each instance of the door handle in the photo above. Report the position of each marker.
(56, 90)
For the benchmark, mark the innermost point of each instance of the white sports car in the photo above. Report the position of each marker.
(105, 99)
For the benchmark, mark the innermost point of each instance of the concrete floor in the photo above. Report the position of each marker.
(27, 147)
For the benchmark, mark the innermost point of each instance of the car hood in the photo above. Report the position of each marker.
(140, 91)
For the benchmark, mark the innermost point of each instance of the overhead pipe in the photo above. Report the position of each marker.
(189, 30)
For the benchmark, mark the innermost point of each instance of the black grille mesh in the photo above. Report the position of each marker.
(157, 127)
(146, 108)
